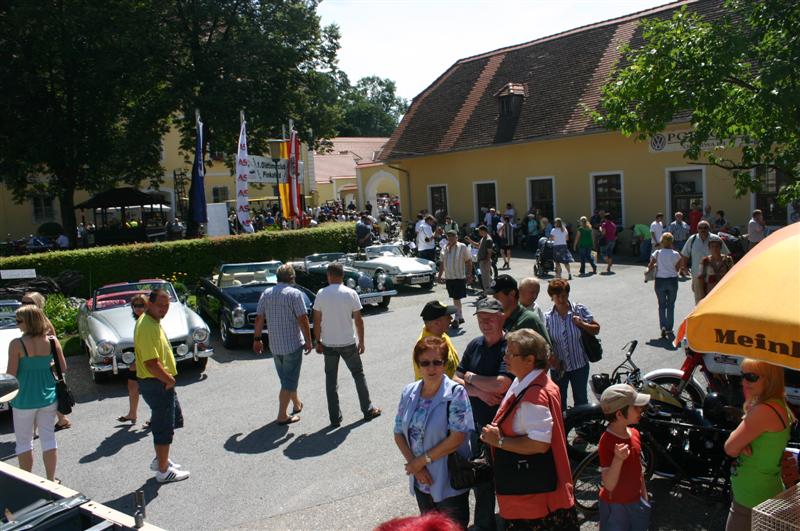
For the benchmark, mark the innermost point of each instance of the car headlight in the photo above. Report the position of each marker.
(199, 335)
(380, 282)
(105, 348)
(351, 283)
(182, 349)
(237, 317)
(128, 357)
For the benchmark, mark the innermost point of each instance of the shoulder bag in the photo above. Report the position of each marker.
(63, 393)
(591, 345)
(465, 472)
(651, 275)
(517, 474)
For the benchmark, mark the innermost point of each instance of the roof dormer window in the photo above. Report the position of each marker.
(510, 98)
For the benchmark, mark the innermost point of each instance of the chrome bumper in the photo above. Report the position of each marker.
(115, 366)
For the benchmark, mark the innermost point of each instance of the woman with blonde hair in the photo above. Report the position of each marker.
(561, 254)
(667, 263)
(758, 442)
(29, 360)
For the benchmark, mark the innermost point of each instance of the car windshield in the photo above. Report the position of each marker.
(8, 318)
(241, 274)
(117, 295)
(323, 257)
(377, 251)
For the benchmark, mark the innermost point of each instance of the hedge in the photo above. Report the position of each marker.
(188, 260)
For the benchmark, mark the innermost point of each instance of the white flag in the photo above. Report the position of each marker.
(242, 174)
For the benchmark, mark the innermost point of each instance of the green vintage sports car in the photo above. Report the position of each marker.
(374, 289)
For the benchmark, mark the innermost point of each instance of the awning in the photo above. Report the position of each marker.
(122, 197)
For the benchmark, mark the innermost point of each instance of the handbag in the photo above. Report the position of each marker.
(592, 346)
(651, 275)
(516, 474)
(64, 395)
(465, 472)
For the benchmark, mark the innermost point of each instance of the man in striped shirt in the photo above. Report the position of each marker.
(457, 271)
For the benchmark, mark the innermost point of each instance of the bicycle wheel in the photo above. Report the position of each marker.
(582, 435)
(587, 480)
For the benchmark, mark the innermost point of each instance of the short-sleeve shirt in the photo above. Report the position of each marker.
(559, 236)
(755, 232)
(521, 318)
(454, 261)
(565, 337)
(425, 231)
(680, 231)
(666, 262)
(629, 486)
(337, 303)
(609, 229)
(484, 361)
(452, 356)
(280, 306)
(151, 342)
(656, 230)
(695, 249)
(484, 246)
(585, 239)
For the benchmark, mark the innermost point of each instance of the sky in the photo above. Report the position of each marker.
(414, 41)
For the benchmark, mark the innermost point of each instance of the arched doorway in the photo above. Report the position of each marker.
(381, 184)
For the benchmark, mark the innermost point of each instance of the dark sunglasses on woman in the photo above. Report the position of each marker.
(750, 377)
(435, 363)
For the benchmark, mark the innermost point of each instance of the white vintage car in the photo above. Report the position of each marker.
(105, 326)
(8, 333)
(401, 270)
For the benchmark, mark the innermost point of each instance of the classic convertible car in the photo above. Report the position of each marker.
(312, 273)
(230, 297)
(105, 326)
(8, 333)
(389, 259)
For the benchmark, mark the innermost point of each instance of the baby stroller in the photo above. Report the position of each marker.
(544, 258)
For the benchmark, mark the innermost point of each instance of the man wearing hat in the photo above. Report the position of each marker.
(623, 495)
(504, 289)
(483, 372)
(436, 317)
(457, 270)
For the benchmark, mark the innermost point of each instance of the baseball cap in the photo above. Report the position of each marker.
(488, 305)
(502, 283)
(452, 232)
(619, 396)
(435, 309)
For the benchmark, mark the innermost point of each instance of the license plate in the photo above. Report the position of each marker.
(420, 279)
(372, 300)
(3, 406)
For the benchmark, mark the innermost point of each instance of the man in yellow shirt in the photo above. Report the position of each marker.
(437, 317)
(155, 370)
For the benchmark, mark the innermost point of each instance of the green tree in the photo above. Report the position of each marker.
(371, 108)
(737, 76)
(83, 99)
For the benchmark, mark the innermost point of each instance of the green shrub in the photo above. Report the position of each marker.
(63, 313)
(71, 346)
(185, 261)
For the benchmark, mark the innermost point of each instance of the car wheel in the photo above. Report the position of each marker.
(384, 303)
(428, 285)
(228, 339)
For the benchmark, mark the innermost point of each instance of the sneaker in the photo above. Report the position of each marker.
(154, 464)
(172, 474)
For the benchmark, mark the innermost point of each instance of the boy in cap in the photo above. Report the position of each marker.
(623, 495)
(436, 317)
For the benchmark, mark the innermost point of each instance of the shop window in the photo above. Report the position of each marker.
(767, 199)
(43, 209)
(542, 197)
(485, 198)
(607, 189)
(438, 200)
(219, 194)
(686, 190)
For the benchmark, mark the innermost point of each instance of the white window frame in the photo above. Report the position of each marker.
(475, 209)
(446, 193)
(593, 200)
(52, 207)
(668, 189)
(528, 181)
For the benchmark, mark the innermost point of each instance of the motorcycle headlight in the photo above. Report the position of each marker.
(105, 348)
(237, 317)
(182, 349)
(380, 282)
(351, 283)
(199, 335)
(128, 357)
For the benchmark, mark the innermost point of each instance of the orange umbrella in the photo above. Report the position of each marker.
(754, 311)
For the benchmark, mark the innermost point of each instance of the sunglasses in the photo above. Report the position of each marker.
(750, 377)
(427, 363)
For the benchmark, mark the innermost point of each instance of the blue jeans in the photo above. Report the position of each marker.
(288, 368)
(585, 255)
(606, 250)
(352, 359)
(579, 379)
(645, 249)
(455, 507)
(667, 292)
(165, 408)
(624, 516)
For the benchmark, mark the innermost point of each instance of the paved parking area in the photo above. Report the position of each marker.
(249, 473)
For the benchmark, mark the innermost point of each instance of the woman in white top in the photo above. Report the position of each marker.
(561, 254)
(667, 262)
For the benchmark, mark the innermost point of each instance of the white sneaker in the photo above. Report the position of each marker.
(171, 475)
(171, 464)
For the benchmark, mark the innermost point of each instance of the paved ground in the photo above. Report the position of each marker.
(249, 473)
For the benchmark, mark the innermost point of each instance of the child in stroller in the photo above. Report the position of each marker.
(544, 258)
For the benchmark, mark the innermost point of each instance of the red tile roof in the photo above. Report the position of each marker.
(557, 77)
(340, 162)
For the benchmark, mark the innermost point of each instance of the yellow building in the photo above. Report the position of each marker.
(335, 169)
(510, 126)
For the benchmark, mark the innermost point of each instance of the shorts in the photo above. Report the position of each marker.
(288, 368)
(132, 375)
(456, 288)
(166, 413)
(607, 249)
(624, 516)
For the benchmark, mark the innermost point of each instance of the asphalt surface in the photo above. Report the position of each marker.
(250, 473)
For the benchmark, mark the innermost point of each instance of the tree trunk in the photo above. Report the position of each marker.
(67, 203)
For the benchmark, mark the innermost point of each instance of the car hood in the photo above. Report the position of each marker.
(120, 321)
(246, 295)
(405, 265)
(7, 335)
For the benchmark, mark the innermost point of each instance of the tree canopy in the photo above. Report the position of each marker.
(737, 77)
(371, 108)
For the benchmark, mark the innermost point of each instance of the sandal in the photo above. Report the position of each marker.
(125, 418)
(67, 425)
(297, 410)
(290, 420)
(372, 414)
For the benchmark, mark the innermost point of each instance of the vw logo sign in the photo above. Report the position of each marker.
(658, 142)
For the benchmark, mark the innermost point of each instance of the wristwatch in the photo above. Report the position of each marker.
(428, 459)
(500, 441)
